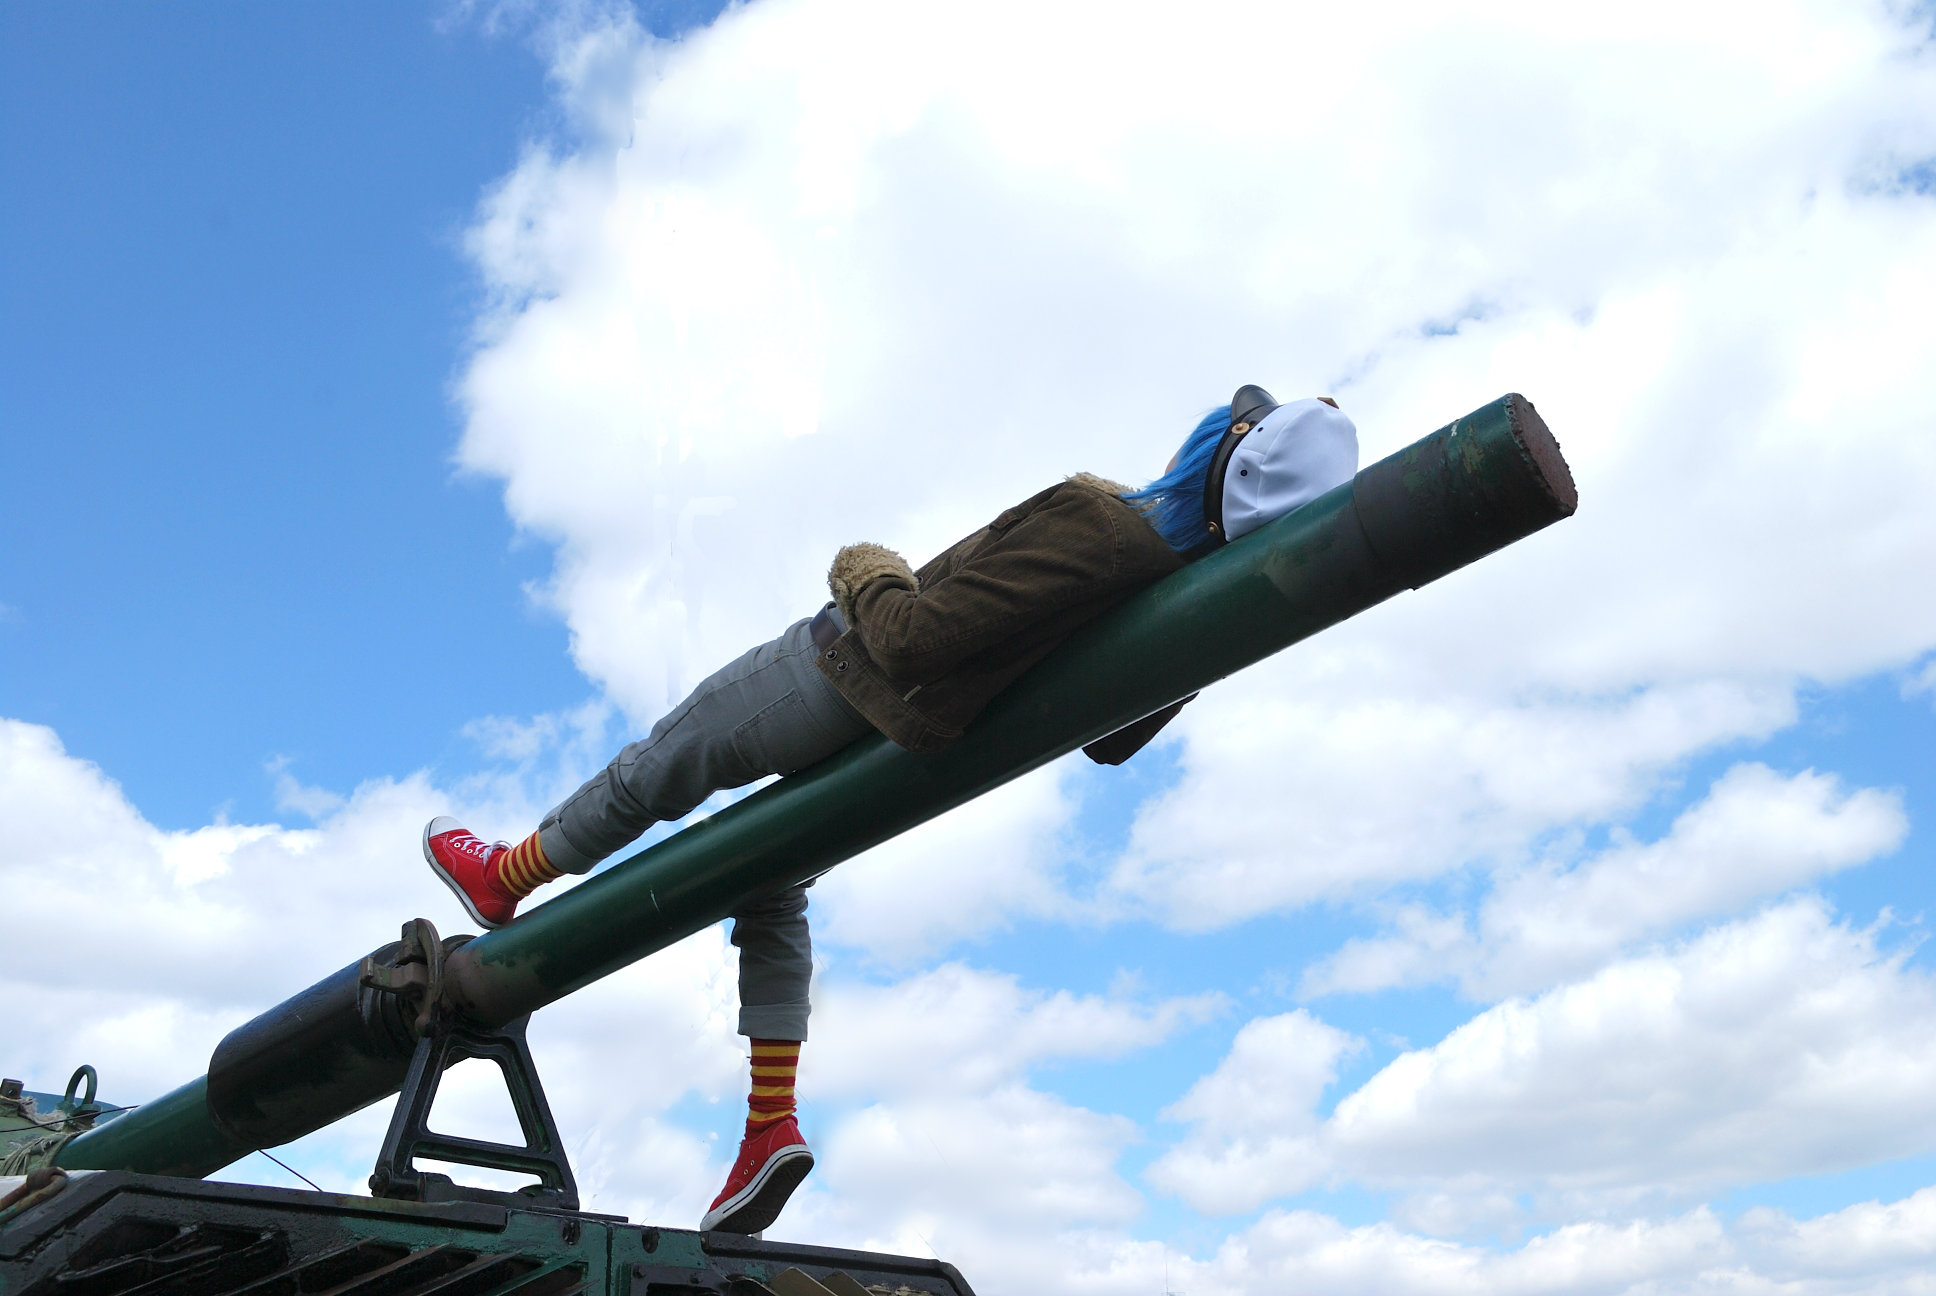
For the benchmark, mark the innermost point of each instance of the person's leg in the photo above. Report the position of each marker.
(770, 711)
(775, 966)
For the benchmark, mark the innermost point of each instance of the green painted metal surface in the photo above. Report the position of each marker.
(33, 1124)
(174, 1135)
(119, 1234)
(1468, 489)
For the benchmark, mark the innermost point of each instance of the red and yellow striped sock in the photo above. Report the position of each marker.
(524, 868)
(774, 1064)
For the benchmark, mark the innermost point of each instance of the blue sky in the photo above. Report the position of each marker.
(235, 296)
(401, 405)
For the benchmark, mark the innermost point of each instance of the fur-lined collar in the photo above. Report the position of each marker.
(1102, 484)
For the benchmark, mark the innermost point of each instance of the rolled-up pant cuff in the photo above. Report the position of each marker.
(561, 854)
(786, 1021)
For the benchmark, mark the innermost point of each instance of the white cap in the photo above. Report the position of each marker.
(1299, 451)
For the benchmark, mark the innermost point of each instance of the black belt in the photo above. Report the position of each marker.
(828, 625)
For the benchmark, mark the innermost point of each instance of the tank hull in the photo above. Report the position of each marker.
(119, 1232)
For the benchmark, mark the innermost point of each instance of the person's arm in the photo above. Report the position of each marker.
(1062, 554)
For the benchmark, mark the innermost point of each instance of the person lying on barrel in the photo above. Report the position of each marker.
(914, 655)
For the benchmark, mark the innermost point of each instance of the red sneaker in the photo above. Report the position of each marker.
(771, 1165)
(468, 866)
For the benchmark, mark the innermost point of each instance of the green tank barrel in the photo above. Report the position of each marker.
(1468, 489)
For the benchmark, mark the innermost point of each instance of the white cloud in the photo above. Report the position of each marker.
(1871, 1242)
(765, 251)
(291, 794)
(962, 874)
(169, 939)
(578, 737)
(1314, 1253)
(941, 1145)
(1302, 784)
(1921, 681)
(1872, 1247)
(1256, 1127)
(1755, 834)
(1779, 1045)
(1006, 1158)
(957, 1030)
(1776, 1046)
(1423, 947)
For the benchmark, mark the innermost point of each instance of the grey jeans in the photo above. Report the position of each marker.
(769, 712)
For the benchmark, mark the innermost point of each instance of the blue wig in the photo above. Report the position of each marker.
(1173, 503)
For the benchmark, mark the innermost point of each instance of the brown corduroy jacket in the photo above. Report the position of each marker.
(925, 651)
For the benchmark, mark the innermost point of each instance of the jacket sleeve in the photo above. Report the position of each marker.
(1058, 556)
(1114, 749)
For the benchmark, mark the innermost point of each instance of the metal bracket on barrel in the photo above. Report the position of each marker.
(416, 977)
(443, 1040)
